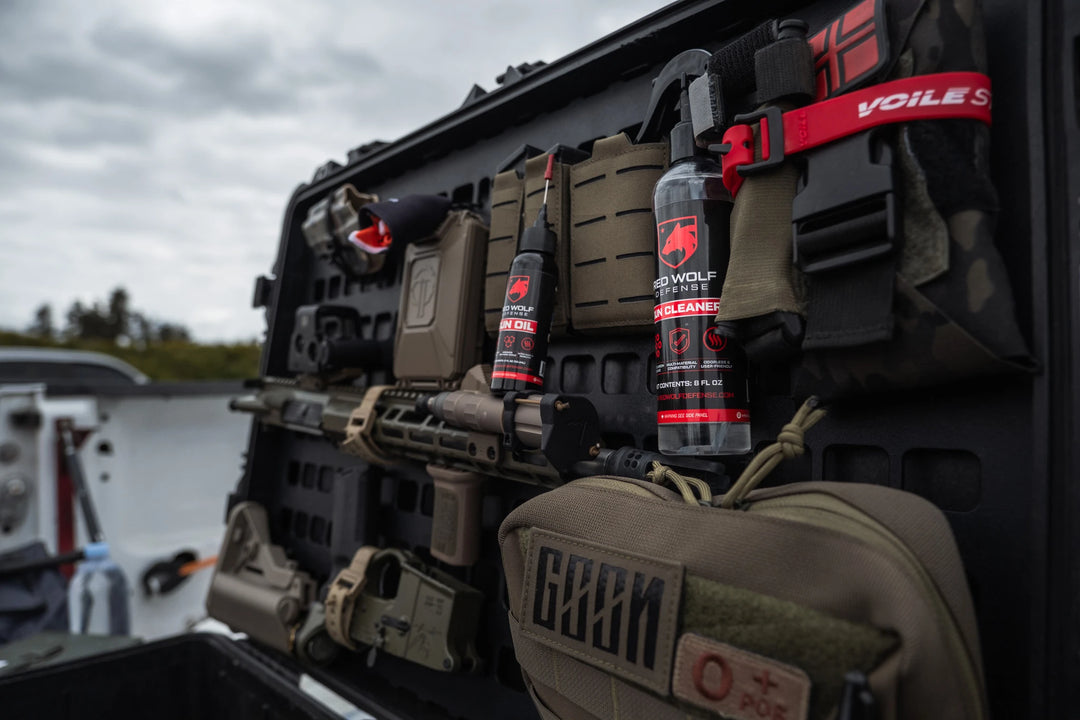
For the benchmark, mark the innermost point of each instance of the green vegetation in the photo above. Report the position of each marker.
(173, 360)
(161, 350)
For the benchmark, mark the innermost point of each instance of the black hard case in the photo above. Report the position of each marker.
(998, 456)
(202, 676)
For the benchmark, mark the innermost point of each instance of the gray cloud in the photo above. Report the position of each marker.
(213, 74)
(155, 145)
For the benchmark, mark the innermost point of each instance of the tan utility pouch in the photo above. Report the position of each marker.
(613, 234)
(515, 203)
(627, 601)
(503, 233)
(600, 209)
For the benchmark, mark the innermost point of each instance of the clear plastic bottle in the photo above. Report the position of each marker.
(703, 403)
(98, 595)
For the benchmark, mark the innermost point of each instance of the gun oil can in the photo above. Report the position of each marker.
(701, 386)
(521, 348)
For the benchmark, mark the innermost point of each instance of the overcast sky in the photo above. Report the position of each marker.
(154, 144)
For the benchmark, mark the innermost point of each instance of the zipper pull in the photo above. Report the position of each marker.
(857, 702)
(789, 444)
(685, 484)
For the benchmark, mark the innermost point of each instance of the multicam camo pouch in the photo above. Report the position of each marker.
(629, 600)
(953, 310)
(888, 252)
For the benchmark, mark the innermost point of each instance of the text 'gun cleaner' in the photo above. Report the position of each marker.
(521, 349)
(703, 406)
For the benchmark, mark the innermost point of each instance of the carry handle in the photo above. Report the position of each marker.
(789, 444)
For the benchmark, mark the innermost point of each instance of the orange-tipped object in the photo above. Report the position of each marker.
(196, 565)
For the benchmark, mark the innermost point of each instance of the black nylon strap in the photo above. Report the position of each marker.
(847, 239)
(851, 306)
(731, 69)
(785, 71)
(734, 63)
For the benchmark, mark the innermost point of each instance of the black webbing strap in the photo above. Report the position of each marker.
(733, 64)
(850, 307)
(730, 74)
(846, 241)
(784, 70)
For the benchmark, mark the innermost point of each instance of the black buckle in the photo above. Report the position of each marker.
(845, 210)
(772, 142)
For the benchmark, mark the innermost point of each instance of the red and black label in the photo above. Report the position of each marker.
(521, 348)
(852, 48)
(700, 371)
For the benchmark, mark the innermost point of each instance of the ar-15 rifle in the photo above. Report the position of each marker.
(462, 436)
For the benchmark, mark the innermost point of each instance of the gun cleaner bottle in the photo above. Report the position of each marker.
(521, 348)
(702, 400)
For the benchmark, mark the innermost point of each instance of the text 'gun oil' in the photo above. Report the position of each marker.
(521, 348)
(702, 400)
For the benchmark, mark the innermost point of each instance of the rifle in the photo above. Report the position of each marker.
(461, 437)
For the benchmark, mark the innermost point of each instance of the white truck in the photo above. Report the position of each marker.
(157, 458)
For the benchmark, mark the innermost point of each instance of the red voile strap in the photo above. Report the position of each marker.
(924, 97)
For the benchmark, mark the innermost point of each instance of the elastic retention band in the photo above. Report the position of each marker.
(789, 444)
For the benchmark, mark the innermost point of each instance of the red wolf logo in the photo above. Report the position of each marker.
(677, 239)
(517, 288)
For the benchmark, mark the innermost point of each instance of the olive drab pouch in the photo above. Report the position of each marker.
(613, 234)
(865, 251)
(515, 203)
(813, 600)
(503, 233)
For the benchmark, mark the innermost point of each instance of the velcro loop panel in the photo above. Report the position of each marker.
(730, 75)
(822, 646)
(733, 64)
(925, 254)
(506, 201)
(613, 234)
